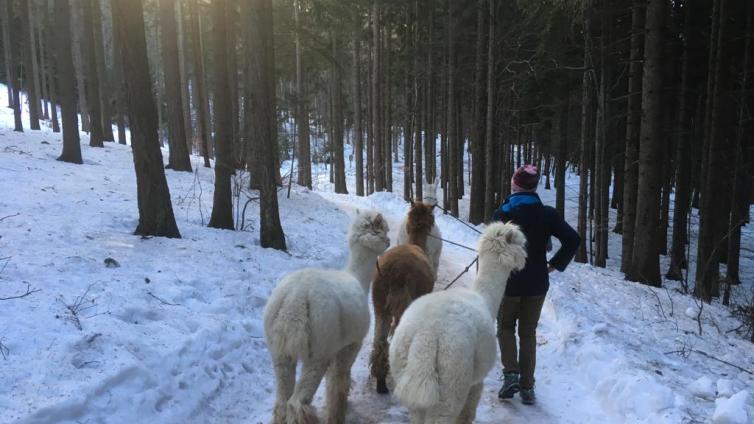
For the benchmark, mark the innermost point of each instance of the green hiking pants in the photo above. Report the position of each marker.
(522, 312)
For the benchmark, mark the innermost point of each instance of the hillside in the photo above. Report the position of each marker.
(119, 328)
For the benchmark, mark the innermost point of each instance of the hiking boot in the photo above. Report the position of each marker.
(528, 397)
(511, 385)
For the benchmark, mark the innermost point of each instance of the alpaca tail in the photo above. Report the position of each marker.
(287, 331)
(397, 300)
(418, 386)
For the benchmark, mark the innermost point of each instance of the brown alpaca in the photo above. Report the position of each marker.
(403, 274)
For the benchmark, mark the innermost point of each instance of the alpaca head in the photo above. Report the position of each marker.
(430, 191)
(420, 219)
(502, 246)
(369, 231)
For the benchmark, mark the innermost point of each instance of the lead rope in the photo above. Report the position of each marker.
(456, 218)
(476, 259)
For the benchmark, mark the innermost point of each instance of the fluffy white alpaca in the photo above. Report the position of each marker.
(320, 317)
(434, 244)
(445, 343)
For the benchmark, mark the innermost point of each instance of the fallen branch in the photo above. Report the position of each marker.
(7, 261)
(163, 301)
(685, 352)
(10, 216)
(28, 291)
(4, 351)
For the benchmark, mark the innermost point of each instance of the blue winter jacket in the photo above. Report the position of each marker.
(538, 223)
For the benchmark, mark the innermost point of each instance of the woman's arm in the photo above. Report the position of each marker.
(569, 242)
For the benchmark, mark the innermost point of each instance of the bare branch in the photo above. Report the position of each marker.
(10, 216)
(28, 291)
(163, 301)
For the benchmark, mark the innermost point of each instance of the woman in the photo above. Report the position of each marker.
(527, 288)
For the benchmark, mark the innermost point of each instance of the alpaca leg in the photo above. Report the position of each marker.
(285, 376)
(300, 410)
(417, 416)
(378, 360)
(339, 383)
(441, 416)
(469, 410)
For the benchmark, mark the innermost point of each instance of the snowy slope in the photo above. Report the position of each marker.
(173, 334)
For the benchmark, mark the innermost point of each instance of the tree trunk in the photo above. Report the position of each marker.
(385, 90)
(103, 86)
(50, 37)
(155, 209)
(31, 67)
(232, 18)
(452, 132)
(222, 202)
(408, 128)
(44, 67)
(262, 126)
(96, 136)
(430, 140)
(477, 195)
(183, 66)
(121, 103)
(417, 113)
(713, 218)
(370, 128)
(560, 161)
(79, 65)
(10, 42)
(6, 49)
(199, 82)
(489, 142)
(740, 200)
(178, 158)
(586, 137)
(358, 144)
(66, 82)
(377, 109)
(339, 165)
(602, 169)
(645, 261)
(302, 110)
(633, 125)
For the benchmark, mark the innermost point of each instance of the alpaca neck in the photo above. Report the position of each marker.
(419, 239)
(361, 264)
(490, 283)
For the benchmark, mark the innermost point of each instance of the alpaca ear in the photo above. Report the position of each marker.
(412, 203)
(358, 212)
(509, 237)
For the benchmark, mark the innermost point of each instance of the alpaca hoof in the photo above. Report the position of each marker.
(382, 387)
(299, 413)
(278, 416)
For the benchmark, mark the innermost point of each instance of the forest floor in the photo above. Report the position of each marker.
(172, 333)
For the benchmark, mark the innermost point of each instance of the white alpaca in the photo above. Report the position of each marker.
(320, 317)
(434, 242)
(445, 343)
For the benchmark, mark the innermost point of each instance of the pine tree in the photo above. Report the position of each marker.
(222, 205)
(261, 128)
(155, 209)
(67, 83)
(178, 158)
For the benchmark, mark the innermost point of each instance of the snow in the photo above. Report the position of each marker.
(174, 334)
(725, 387)
(731, 411)
(703, 388)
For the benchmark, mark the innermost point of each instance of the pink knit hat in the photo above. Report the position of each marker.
(525, 178)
